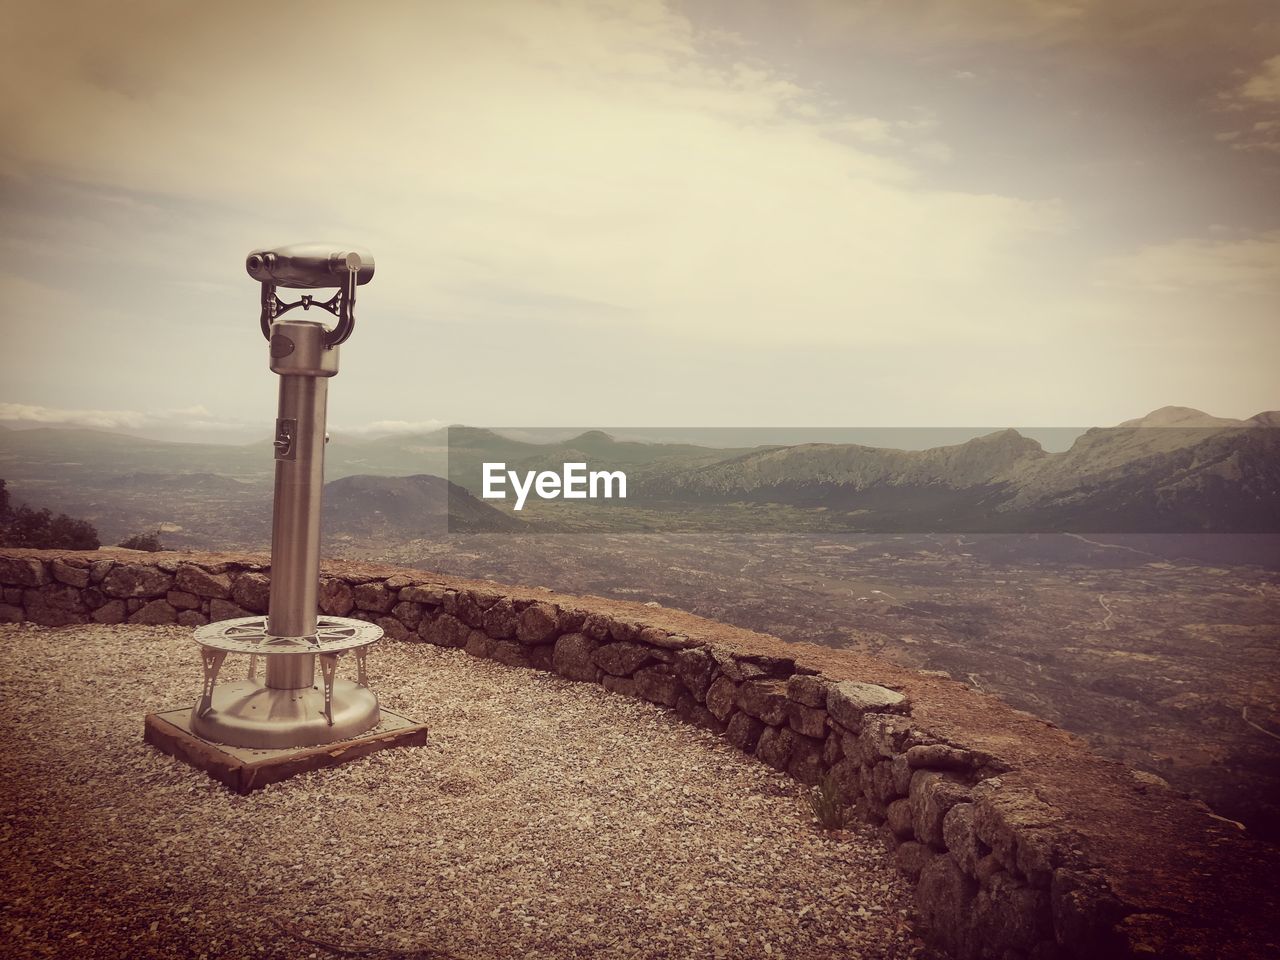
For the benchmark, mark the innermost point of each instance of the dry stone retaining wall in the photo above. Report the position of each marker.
(997, 873)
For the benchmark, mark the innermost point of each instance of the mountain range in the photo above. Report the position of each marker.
(1174, 470)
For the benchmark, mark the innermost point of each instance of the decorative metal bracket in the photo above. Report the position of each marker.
(328, 667)
(211, 663)
(342, 305)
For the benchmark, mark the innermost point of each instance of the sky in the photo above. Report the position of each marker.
(644, 213)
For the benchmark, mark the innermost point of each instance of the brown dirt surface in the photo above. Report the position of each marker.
(544, 819)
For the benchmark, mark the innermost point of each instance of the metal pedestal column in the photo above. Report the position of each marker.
(290, 709)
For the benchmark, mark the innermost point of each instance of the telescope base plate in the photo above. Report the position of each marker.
(245, 769)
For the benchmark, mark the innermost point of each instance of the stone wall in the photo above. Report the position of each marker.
(970, 797)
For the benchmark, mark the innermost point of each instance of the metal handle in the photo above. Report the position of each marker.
(304, 267)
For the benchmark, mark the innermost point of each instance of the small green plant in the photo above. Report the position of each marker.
(143, 541)
(827, 808)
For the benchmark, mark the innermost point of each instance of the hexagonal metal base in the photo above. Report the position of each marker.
(246, 713)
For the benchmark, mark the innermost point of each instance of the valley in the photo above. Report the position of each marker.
(1162, 649)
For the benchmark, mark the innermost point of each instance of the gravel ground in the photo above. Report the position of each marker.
(545, 819)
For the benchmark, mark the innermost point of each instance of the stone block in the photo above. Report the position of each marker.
(1085, 913)
(444, 630)
(375, 597)
(336, 598)
(695, 669)
(408, 613)
(479, 644)
(658, 685)
(810, 721)
(471, 605)
(113, 611)
(622, 631)
(623, 685)
(622, 659)
(899, 817)
(901, 771)
(541, 656)
(58, 596)
(808, 690)
(181, 600)
(932, 794)
(1010, 916)
(832, 752)
(192, 579)
(961, 840)
(509, 652)
(939, 756)
(596, 626)
(849, 701)
(886, 735)
(692, 712)
(744, 732)
(657, 637)
(252, 591)
(134, 580)
(23, 572)
(774, 747)
(737, 669)
(429, 594)
(72, 575)
(225, 610)
(944, 906)
(1002, 816)
(721, 696)
(570, 621)
(573, 657)
(538, 623)
(51, 610)
(156, 612)
(393, 629)
(846, 778)
(805, 760)
(500, 620)
(765, 700)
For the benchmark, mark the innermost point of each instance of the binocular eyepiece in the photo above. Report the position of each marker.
(309, 266)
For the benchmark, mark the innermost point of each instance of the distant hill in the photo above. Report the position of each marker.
(1175, 470)
(406, 507)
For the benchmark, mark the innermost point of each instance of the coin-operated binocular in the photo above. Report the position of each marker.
(311, 266)
(288, 708)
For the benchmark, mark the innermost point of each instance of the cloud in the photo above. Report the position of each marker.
(586, 205)
(593, 153)
(195, 416)
(1264, 86)
(391, 427)
(1221, 265)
